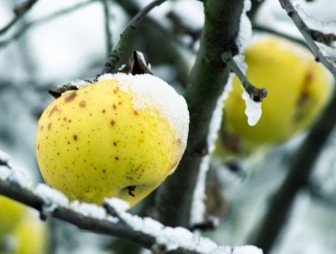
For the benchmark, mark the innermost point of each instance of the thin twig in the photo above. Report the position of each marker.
(308, 36)
(19, 11)
(108, 32)
(114, 57)
(18, 34)
(256, 94)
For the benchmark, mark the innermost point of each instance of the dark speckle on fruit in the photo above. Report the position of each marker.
(70, 97)
(75, 137)
(49, 126)
(112, 122)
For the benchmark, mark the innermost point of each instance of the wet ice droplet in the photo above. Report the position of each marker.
(253, 109)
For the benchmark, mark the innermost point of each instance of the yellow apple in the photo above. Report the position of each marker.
(11, 213)
(29, 236)
(119, 137)
(298, 90)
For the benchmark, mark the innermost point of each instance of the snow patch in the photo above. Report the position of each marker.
(245, 28)
(51, 196)
(248, 249)
(117, 204)
(152, 92)
(90, 210)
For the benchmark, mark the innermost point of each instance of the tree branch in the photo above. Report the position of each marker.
(207, 81)
(108, 33)
(114, 58)
(256, 94)
(19, 11)
(300, 169)
(310, 35)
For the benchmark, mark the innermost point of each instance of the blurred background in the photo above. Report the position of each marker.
(60, 41)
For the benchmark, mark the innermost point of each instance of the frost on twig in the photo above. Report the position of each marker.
(311, 35)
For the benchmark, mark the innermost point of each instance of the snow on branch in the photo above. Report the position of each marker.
(109, 219)
(311, 36)
(114, 58)
(256, 94)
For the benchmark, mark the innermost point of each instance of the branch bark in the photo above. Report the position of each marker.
(207, 81)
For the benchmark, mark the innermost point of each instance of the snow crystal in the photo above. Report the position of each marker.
(117, 204)
(152, 91)
(50, 195)
(248, 249)
(90, 210)
(253, 109)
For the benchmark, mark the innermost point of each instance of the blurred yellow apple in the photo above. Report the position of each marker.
(119, 137)
(29, 236)
(11, 213)
(298, 90)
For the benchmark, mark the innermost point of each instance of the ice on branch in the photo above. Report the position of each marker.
(253, 109)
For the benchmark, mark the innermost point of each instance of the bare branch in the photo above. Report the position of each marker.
(20, 32)
(108, 33)
(111, 64)
(310, 35)
(19, 11)
(256, 94)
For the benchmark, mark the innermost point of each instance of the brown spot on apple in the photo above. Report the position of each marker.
(82, 104)
(70, 97)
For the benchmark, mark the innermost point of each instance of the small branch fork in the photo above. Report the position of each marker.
(256, 94)
(19, 11)
(114, 58)
(311, 35)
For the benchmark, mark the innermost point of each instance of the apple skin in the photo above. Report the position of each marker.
(105, 140)
(11, 212)
(30, 236)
